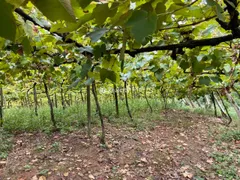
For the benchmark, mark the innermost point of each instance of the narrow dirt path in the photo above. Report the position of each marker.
(176, 148)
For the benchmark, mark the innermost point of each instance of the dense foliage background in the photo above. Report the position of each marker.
(65, 63)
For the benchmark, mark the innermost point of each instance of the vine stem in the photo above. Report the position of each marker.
(122, 59)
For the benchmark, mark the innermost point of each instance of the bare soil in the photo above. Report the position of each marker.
(178, 147)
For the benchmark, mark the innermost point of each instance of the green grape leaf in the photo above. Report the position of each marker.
(197, 66)
(84, 3)
(160, 8)
(107, 74)
(184, 64)
(27, 48)
(85, 68)
(56, 9)
(89, 81)
(97, 34)
(159, 74)
(211, 2)
(215, 61)
(179, 2)
(101, 13)
(142, 24)
(218, 8)
(7, 20)
(232, 4)
(75, 83)
(4, 66)
(219, 11)
(99, 50)
(71, 26)
(17, 3)
(216, 79)
(58, 60)
(204, 80)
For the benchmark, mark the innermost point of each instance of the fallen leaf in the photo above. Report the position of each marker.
(19, 142)
(184, 168)
(155, 162)
(3, 163)
(238, 172)
(66, 174)
(210, 161)
(116, 142)
(91, 176)
(80, 174)
(56, 137)
(34, 177)
(42, 178)
(34, 160)
(144, 160)
(123, 171)
(188, 175)
(182, 134)
(199, 166)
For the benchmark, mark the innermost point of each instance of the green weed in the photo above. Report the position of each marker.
(27, 167)
(55, 147)
(226, 164)
(5, 143)
(231, 135)
(43, 172)
(74, 117)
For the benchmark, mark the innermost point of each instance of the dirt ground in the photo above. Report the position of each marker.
(176, 148)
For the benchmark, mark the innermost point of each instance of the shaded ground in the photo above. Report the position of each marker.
(179, 147)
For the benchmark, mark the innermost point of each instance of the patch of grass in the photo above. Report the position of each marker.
(226, 164)
(55, 147)
(27, 167)
(230, 135)
(39, 148)
(5, 143)
(74, 117)
(142, 120)
(198, 178)
(222, 158)
(43, 172)
(227, 158)
(24, 120)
